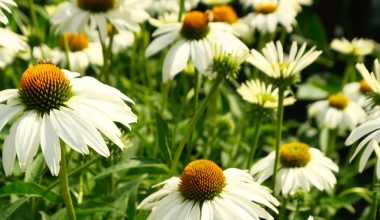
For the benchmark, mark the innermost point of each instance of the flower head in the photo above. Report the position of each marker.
(4, 4)
(357, 47)
(300, 168)
(284, 67)
(82, 15)
(81, 51)
(268, 14)
(227, 63)
(358, 92)
(337, 112)
(193, 40)
(53, 104)
(368, 132)
(97, 6)
(205, 191)
(75, 41)
(259, 93)
(10, 44)
(224, 13)
(373, 78)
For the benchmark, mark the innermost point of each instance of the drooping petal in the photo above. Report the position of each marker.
(50, 145)
(27, 138)
(176, 59)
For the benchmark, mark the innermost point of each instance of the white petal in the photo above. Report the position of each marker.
(201, 54)
(364, 158)
(28, 138)
(50, 145)
(207, 211)
(176, 59)
(159, 43)
(67, 129)
(9, 149)
(7, 112)
(8, 94)
(90, 134)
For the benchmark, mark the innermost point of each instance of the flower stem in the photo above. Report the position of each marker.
(280, 116)
(282, 213)
(296, 210)
(194, 121)
(349, 72)
(165, 88)
(196, 102)
(375, 194)
(65, 186)
(33, 14)
(331, 144)
(67, 51)
(107, 53)
(181, 9)
(196, 90)
(256, 134)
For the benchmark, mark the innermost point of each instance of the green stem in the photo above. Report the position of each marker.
(282, 213)
(181, 9)
(107, 53)
(196, 101)
(196, 90)
(280, 116)
(65, 190)
(297, 209)
(349, 72)
(165, 93)
(81, 188)
(256, 135)
(67, 51)
(375, 194)
(194, 121)
(33, 14)
(332, 142)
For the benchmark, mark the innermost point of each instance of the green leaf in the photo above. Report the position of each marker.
(360, 191)
(32, 189)
(36, 170)
(165, 138)
(7, 210)
(133, 163)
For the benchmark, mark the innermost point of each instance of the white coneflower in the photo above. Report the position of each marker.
(280, 66)
(4, 4)
(358, 92)
(268, 14)
(373, 78)
(10, 44)
(357, 47)
(53, 104)
(227, 14)
(122, 40)
(337, 112)
(259, 93)
(297, 4)
(12, 40)
(79, 15)
(164, 19)
(300, 168)
(193, 39)
(82, 52)
(204, 191)
(368, 133)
